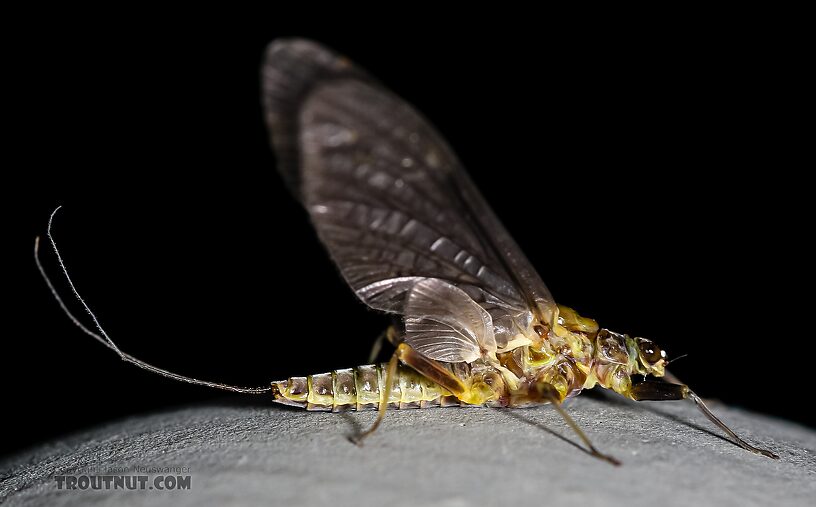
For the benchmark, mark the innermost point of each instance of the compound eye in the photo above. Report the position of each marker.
(650, 351)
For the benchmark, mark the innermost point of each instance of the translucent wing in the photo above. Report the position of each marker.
(442, 322)
(390, 201)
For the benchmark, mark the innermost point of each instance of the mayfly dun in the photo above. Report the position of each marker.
(413, 237)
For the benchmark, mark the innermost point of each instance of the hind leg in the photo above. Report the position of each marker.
(428, 368)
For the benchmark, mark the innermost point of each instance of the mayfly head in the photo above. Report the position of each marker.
(618, 357)
(652, 359)
(632, 355)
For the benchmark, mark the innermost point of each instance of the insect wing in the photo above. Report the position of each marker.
(393, 206)
(442, 322)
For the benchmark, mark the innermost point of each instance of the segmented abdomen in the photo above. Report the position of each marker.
(360, 389)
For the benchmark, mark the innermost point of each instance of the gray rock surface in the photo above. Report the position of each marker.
(252, 454)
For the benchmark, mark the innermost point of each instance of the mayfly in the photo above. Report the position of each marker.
(413, 237)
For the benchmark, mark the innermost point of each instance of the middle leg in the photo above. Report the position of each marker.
(549, 393)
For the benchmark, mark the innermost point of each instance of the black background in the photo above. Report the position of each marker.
(650, 176)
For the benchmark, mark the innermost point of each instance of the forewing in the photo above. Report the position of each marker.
(387, 196)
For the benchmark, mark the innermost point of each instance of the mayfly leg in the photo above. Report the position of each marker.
(377, 346)
(662, 391)
(429, 368)
(385, 391)
(548, 392)
(390, 334)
